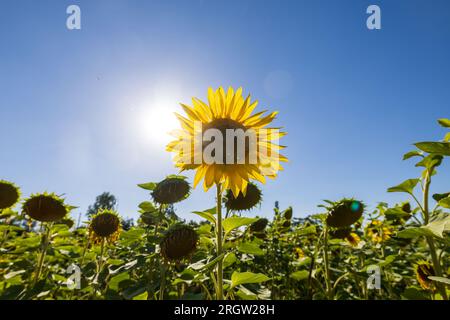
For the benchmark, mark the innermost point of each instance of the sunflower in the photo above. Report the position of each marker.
(243, 202)
(171, 190)
(9, 194)
(353, 239)
(377, 232)
(288, 213)
(259, 225)
(299, 254)
(105, 225)
(179, 242)
(225, 111)
(45, 207)
(344, 213)
(424, 270)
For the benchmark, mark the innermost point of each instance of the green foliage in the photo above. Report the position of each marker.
(290, 258)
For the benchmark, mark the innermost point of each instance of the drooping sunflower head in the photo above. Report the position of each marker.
(226, 143)
(377, 232)
(9, 194)
(45, 207)
(246, 201)
(179, 242)
(406, 207)
(287, 214)
(423, 270)
(344, 213)
(105, 225)
(259, 225)
(171, 190)
(286, 223)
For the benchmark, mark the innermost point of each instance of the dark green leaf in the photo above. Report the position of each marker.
(412, 154)
(148, 186)
(238, 278)
(442, 148)
(406, 186)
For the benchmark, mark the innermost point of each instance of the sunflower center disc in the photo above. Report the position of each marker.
(239, 140)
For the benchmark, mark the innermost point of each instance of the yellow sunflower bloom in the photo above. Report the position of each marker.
(377, 232)
(233, 167)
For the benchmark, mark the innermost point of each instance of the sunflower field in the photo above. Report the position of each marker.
(344, 251)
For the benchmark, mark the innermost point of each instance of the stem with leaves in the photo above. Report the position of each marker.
(430, 240)
(327, 265)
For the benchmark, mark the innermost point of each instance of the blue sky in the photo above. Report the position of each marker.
(79, 109)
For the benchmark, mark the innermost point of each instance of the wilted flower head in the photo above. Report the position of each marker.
(45, 207)
(259, 225)
(105, 225)
(9, 194)
(179, 242)
(287, 214)
(171, 190)
(246, 201)
(344, 213)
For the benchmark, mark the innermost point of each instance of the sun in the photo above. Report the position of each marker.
(155, 119)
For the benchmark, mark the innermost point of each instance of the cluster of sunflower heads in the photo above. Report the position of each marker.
(377, 232)
(423, 270)
(171, 190)
(179, 242)
(9, 194)
(45, 207)
(105, 225)
(244, 201)
(344, 213)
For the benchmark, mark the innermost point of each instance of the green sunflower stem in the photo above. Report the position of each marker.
(100, 260)
(163, 282)
(430, 240)
(44, 245)
(327, 265)
(219, 235)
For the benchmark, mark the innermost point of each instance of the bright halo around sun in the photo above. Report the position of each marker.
(155, 120)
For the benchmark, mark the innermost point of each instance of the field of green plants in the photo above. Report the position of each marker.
(344, 251)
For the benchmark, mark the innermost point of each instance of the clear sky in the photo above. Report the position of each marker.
(86, 111)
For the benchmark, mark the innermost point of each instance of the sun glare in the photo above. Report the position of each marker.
(156, 120)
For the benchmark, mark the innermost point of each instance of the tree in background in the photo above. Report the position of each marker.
(127, 224)
(104, 201)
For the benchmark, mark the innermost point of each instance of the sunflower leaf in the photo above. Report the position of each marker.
(148, 186)
(238, 278)
(445, 202)
(440, 279)
(206, 215)
(411, 154)
(300, 275)
(232, 223)
(406, 186)
(442, 148)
